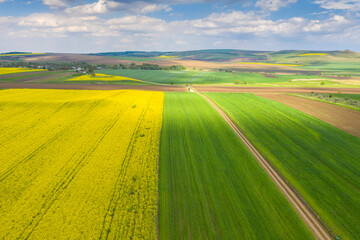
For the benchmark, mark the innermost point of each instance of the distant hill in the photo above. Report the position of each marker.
(288, 56)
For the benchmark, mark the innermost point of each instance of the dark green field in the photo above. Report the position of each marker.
(319, 160)
(211, 187)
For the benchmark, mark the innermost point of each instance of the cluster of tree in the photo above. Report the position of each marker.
(47, 65)
(147, 66)
(83, 66)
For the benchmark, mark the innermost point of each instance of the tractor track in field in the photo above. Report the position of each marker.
(309, 216)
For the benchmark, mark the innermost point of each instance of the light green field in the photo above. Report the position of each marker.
(319, 160)
(211, 187)
(212, 77)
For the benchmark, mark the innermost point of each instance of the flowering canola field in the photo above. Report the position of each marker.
(18, 70)
(79, 164)
(102, 77)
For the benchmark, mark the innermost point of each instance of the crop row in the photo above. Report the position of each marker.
(79, 164)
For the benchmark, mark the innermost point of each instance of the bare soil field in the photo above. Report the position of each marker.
(3, 76)
(63, 57)
(45, 77)
(65, 86)
(276, 89)
(340, 117)
(268, 75)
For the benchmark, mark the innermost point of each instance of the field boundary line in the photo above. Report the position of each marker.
(312, 220)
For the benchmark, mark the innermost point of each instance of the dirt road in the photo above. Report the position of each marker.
(305, 211)
(276, 89)
(91, 86)
(343, 118)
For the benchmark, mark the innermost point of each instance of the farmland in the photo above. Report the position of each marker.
(213, 77)
(18, 70)
(351, 101)
(309, 153)
(207, 175)
(58, 180)
(105, 78)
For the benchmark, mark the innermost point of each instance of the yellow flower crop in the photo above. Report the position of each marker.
(165, 56)
(79, 164)
(18, 70)
(102, 77)
(313, 54)
(275, 64)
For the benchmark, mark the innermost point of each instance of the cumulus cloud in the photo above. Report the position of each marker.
(105, 6)
(216, 24)
(55, 3)
(132, 31)
(273, 5)
(339, 4)
(328, 25)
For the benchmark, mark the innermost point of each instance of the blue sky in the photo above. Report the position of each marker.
(158, 25)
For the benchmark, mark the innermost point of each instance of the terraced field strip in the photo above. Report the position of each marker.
(304, 210)
(319, 160)
(211, 186)
(79, 164)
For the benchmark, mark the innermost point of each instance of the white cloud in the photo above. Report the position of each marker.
(105, 6)
(55, 3)
(131, 32)
(139, 24)
(273, 5)
(328, 25)
(353, 5)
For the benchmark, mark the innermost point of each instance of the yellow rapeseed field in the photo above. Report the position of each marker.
(102, 77)
(79, 164)
(274, 64)
(18, 70)
(165, 56)
(313, 54)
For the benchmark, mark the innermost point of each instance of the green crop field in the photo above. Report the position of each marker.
(350, 96)
(211, 187)
(319, 160)
(213, 77)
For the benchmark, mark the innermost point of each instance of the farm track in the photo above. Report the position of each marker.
(305, 211)
(343, 118)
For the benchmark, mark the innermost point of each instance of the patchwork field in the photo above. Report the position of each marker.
(319, 160)
(211, 187)
(340, 117)
(79, 164)
(222, 78)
